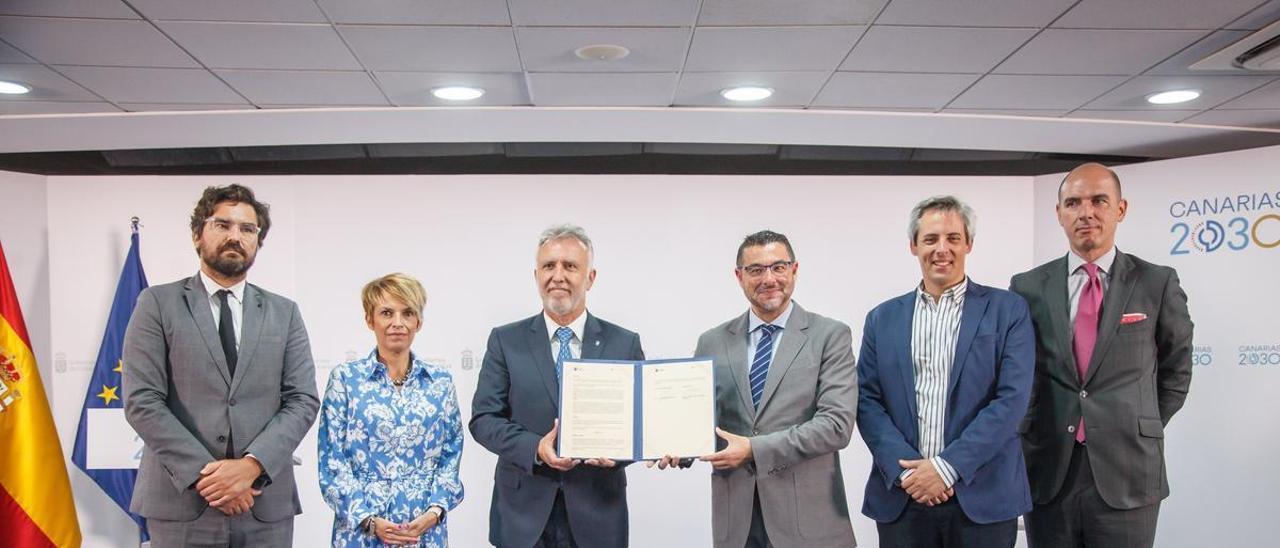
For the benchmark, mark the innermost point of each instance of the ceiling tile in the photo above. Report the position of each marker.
(263, 45)
(93, 42)
(1153, 14)
(603, 13)
(1034, 92)
(10, 55)
(1121, 52)
(973, 13)
(601, 89)
(791, 12)
(1168, 116)
(790, 89)
(434, 49)
(413, 89)
(770, 48)
(1258, 18)
(418, 12)
(49, 107)
(106, 9)
(153, 85)
(1265, 97)
(1213, 91)
(883, 89)
(284, 11)
(551, 49)
(934, 49)
(1044, 113)
(1179, 64)
(46, 85)
(1241, 118)
(184, 107)
(285, 87)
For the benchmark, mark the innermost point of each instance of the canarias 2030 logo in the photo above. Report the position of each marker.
(1241, 222)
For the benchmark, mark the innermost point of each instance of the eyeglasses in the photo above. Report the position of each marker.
(780, 268)
(224, 226)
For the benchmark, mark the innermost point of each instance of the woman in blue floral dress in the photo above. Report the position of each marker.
(390, 433)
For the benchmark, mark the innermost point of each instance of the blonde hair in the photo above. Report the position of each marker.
(395, 285)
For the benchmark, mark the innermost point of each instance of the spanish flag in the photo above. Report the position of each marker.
(36, 508)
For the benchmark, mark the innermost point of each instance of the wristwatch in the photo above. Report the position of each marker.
(439, 513)
(370, 528)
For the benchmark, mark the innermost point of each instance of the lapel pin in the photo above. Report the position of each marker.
(597, 343)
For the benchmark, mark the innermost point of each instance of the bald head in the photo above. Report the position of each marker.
(1089, 209)
(1091, 171)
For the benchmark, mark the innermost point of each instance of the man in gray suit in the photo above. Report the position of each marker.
(220, 385)
(786, 399)
(1113, 364)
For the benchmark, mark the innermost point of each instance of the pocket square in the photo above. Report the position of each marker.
(1133, 317)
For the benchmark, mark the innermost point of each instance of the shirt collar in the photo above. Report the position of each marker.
(754, 321)
(1074, 262)
(955, 292)
(212, 287)
(577, 325)
(417, 367)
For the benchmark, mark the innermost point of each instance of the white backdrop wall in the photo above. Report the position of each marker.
(665, 247)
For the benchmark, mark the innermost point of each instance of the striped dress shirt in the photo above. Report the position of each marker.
(935, 325)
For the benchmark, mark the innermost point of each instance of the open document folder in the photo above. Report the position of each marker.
(637, 410)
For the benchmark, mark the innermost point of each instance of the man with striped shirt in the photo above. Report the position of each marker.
(943, 381)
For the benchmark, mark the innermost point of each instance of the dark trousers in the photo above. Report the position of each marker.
(1078, 517)
(757, 537)
(557, 533)
(944, 526)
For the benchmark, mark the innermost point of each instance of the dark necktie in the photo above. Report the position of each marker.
(227, 331)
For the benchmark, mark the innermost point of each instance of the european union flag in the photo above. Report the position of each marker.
(102, 418)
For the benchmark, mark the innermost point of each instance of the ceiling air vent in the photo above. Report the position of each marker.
(1257, 52)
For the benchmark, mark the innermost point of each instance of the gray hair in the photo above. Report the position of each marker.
(942, 203)
(566, 230)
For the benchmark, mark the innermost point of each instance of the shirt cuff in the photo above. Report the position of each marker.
(948, 474)
(904, 475)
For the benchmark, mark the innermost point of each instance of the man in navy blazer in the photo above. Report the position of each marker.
(943, 381)
(539, 498)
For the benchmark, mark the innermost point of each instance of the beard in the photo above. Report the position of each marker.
(227, 266)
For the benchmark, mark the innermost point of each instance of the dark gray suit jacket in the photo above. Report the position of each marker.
(517, 398)
(182, 401)
(1137, 379)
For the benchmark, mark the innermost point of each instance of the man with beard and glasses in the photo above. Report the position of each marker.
(539, 498)
(786, 399)
(220, 385)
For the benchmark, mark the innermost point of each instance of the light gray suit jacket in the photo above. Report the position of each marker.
(182, 401)
(806, 416)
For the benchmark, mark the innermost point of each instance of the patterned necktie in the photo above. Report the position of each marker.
(227, 331)
(563, 336)
(1086, 329)
(760, 364)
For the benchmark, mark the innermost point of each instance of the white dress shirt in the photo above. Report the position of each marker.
(754, 334)
(235, 300)
(1077, 276)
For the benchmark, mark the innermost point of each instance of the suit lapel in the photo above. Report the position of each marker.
(1113, 304)
(901, 348)
(540, 348)
(793, 339)
(592, 339)
(250, 332)
(1055, 298)
(975, 307)
(201, 312)
(737, 345)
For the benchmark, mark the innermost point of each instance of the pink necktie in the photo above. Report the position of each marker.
(1086, 329)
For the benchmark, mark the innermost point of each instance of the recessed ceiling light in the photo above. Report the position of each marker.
(13, 88)
(1173, 97)
(457, 93)
(746, 93)
(602, 52)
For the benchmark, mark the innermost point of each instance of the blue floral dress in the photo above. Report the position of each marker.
(387, 452)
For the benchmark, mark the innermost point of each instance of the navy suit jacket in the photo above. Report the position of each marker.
(517, 398)
(987, 395)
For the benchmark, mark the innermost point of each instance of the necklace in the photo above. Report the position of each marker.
(400, 381)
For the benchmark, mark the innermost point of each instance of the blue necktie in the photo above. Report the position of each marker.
(760, 364)
(563, 335)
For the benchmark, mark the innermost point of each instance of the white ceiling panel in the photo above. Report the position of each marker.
(434, 49)
(1214, 90)
(46, 107)
(892, 90)
(973, 13)
(263, 45)
(551, 49)
(153, 85)
(1034, 92)
(418, 12)
(1258, 18)
(106, 9)
(600, 89)
(770, 48)
(788, 12)
(790, 89)
(288, 87)
(1121, 52)
(1266, 97)
(1154, 14)
(1240, 118)
(46, 85)
(1166, 116)
(284, 11)
(93, 42)
(603, 13)
(1179, 64)
(413, 89)
(10, 55)
(184, 107)
(934, 49)
(1042, 113)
